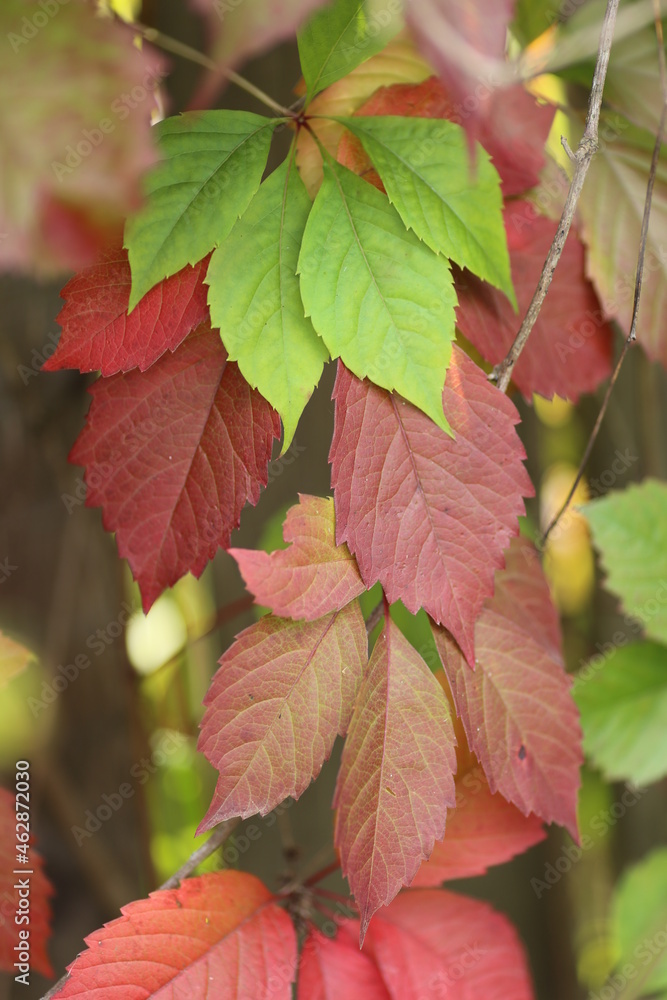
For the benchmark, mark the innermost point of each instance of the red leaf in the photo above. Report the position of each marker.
(431, 942)
(569, 349)
(514, 133)
(465, 42)
(518, 713)
(313, 576)
(11, 904)
(217, 935)
(483, 830)
(283, 692)
(395, 779)
(172, 455)
(98, 335)
(427, 515)
(332, 968)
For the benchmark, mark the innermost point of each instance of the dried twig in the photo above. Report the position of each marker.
(586, 149)
(632, 336)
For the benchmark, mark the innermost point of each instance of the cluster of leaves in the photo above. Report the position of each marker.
(394, 222)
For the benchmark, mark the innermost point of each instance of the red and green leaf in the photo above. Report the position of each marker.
(395, 781)
(427, 515)
(283, 692)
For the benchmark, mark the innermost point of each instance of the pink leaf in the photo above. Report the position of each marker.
(395, 779)
(11, 903)
(518, 713)
(217, 935)
(172, 455)
(332, 968)
(436, 943)
(569, 349)
(465, 42)
(98, 335)
(427, 515)
(313, 576)
(283, 692)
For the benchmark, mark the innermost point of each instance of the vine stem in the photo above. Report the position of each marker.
(632, 336)
(585, 151)
(178, 48)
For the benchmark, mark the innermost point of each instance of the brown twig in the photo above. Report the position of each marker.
(632, 336)
(375, 616)
(193, 55)
(219, 835)
(586, 149)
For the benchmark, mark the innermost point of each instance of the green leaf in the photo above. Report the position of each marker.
(343, 35)
(630, 530)
(639, 923)
(213, 164)
(378, 297)
(456, 209)
(623, 706)
(255, 300)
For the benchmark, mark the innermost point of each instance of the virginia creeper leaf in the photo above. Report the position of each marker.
(425, 169)
(14, 658)
(212, 165)
(569, 349)
(464, 40)
(638, 920)
(617, 177)
(379, 298)
(399, 62)
(41, 890)
(343, 34)
(334, 967)
(283, 692)
(310, 578)
(630, 531)
(255, 300)
(216, 935)
(97, 333)
(74, 148)
(513, 135)
(516, 707)
(427, 515)
(395, 780)
(483, 830)
(172, 455)
(431, 942)
(623, 709)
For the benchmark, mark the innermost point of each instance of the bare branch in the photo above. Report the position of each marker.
(586, 149)
(219, 835)
(632, 336)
